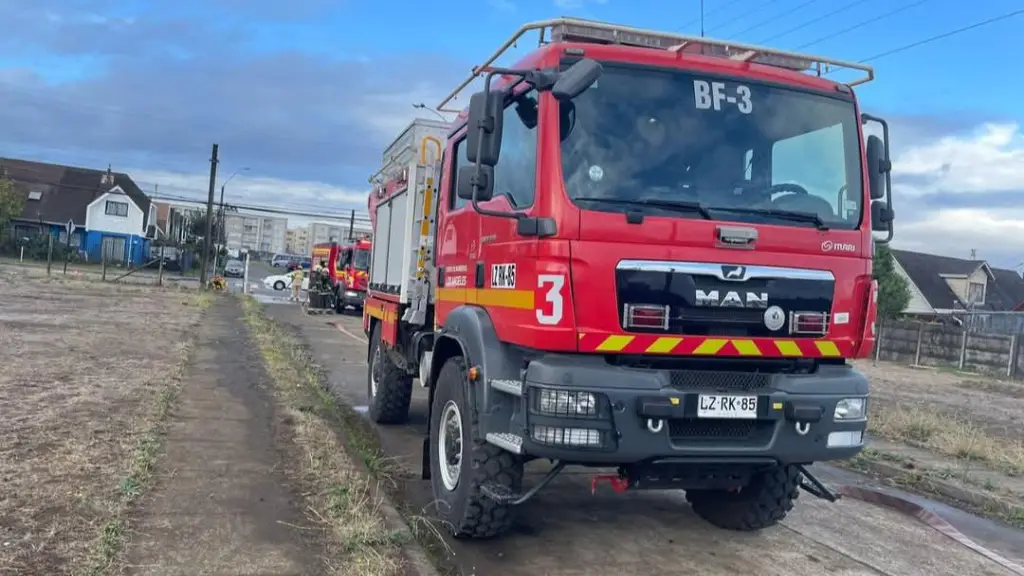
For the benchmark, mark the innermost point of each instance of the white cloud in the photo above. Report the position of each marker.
(991, 159)
(958, 192)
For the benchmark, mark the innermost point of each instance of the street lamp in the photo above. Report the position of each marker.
(422, 106)
(220, 217)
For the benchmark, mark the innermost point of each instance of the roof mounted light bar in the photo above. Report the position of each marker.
(594, 32)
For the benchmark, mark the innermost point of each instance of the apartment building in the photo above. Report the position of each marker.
(263, 234)
(322, 232)
(297, 240)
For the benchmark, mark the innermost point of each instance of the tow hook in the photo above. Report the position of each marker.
(618, 483)
(802, 428)
(815, 487)
(655, 426)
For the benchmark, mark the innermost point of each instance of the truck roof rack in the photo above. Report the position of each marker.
(591, 31)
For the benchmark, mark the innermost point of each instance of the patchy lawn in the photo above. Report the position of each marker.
(962, 428)
(89, 371)
(341, 472)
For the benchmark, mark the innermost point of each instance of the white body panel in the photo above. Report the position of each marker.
(398, 236)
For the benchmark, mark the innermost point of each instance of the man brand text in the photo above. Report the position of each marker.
(732, 299)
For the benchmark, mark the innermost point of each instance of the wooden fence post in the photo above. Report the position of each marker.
(1012, 355)
(963, 349)
(49, 255)
(920, 338)
(878, 343)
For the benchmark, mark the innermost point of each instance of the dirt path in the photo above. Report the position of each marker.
(220, 505)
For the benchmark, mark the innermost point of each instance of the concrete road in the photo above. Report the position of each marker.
(567, 531)
(258, 270)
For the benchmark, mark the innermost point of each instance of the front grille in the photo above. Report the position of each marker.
(701, 431)
(718, 380)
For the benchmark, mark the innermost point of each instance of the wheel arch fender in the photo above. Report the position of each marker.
(469, 332)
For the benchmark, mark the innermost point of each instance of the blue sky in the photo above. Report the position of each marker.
(308, 92)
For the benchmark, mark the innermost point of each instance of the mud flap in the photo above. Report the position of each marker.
(425, 458)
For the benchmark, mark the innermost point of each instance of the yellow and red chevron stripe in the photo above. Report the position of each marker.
(712, 346)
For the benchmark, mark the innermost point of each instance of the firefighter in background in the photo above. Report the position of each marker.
(296, 276)
(320, 283)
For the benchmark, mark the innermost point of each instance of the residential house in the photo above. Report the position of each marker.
(110, 215)
(174, 220)
(946, 287)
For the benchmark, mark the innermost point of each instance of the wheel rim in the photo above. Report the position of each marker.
(449, 445)
(375, 369)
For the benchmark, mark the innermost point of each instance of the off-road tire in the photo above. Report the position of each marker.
(466, 512)
(394, 386)
(764, 502)
(279, 285)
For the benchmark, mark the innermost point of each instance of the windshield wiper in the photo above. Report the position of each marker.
(809, 217)
(673, 205)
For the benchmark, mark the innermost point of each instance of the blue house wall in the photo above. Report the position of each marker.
(136, 247)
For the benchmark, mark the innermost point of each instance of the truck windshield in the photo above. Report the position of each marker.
(361, 259)
(738, 150)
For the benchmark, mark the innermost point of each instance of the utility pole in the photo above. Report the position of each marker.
(701, 18)
(207, 238)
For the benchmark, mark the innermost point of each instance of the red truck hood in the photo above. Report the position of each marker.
(714, 308)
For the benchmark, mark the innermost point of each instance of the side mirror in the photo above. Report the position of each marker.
(486, 111)
(580, 76)
(881, 217)
(878, 167)
(469, 182)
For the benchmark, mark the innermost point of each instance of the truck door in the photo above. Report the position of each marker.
(458, 228)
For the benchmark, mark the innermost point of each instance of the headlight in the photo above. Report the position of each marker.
(566, 403)
(850, 409)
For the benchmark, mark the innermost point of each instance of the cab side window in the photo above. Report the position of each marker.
(515, 174)
(458, 160)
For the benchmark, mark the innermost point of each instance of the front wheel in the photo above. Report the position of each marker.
(461, 463)
(762, 503)
(279, 285)
(389, 388)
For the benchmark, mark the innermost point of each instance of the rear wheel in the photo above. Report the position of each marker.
(461, 463)
(388, 386)
(763, 502)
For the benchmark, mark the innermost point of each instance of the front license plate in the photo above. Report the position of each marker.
(726, 406)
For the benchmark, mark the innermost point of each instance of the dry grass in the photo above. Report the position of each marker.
(88, 374)
(948, 435)
(340, 494)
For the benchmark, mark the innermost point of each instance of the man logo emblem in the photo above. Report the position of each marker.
(774, 318)
(734, 272)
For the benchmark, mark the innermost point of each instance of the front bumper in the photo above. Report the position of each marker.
(644, 415)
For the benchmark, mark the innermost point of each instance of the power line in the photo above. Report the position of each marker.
(928, 40)
(709, 14)
(812, 21)
(774, 18)
(862, 24)
(751, 10)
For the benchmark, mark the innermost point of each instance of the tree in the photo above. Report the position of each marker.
(12, 205)
(893, 291)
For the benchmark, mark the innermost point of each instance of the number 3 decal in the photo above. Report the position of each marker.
(551, 285)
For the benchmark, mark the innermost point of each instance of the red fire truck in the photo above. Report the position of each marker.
(639, 250)
(348, 265)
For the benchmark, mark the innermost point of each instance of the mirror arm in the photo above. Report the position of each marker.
(479, 149)
(886, 166)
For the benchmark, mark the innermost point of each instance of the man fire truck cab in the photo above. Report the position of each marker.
(638, 250)
(348, 265)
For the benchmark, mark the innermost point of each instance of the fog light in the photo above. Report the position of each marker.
(850, 409)
(566, 436)
(845, 439)
(566, 403)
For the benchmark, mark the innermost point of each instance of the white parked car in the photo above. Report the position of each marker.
(283, 282)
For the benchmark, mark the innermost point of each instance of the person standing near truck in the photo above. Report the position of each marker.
(296, 276)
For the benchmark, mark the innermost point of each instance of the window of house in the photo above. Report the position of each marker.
(976, 293)
(115, 208)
